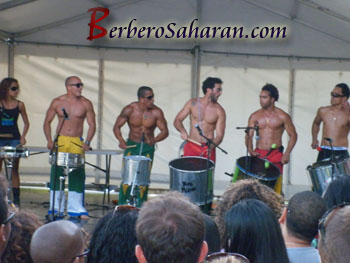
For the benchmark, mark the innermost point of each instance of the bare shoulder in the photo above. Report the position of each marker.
(324, 109)
(255, 114)
(282, 114)
(219, 108)
(56, 102)
(157, 111)
(128, 109)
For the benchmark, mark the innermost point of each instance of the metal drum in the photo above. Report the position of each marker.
(71, 160)
(136, 164)
(13, 152)
(188, 175)
(321, 172)
(256, 168)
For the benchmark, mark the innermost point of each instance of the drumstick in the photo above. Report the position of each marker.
(130, 146)
(193, 141)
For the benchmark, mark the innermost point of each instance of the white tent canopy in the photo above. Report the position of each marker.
(45, 41)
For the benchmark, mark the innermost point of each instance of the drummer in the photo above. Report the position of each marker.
(208, 115)
(10, 108)
(271, 121)
(76, 108)
(142, 117)
(336, 124)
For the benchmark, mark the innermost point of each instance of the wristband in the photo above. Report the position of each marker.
(87, 143)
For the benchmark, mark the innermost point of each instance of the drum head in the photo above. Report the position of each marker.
(137, 158)
(255, 167)
(191, 163)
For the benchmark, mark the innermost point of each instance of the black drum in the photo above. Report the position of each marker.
(256, 168)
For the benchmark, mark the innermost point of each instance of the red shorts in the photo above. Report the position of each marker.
(192, 149)
(274, 157)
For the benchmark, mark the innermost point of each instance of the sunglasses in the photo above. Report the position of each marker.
(217, 255)
(336, 95)
(149, 97)
(84, 254)
(9, 218)
(78, 85)
(15, 88)
(125, 208)
(322, 224)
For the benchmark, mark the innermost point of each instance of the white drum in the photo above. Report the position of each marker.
(71, 160)
(136, 165)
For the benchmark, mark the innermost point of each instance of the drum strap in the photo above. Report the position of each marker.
(199, 114)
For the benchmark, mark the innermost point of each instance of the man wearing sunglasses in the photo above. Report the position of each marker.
(72, 109)
(142, 117)
(336, 125)
(207, 116)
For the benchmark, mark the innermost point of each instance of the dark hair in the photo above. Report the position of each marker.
(114, 238)
(252, 230)
(209, 83)
(303, 213)
(246, 189)
(3, 209)
(211, 234)
(272, 90)
(23, 226)
(170, 229)
(344, 89)
(337, 192)
(142, 91)
(5, 84)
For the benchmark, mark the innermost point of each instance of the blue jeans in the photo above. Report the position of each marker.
(12, 143)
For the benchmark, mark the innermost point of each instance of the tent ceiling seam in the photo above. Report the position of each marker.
(296, 20)
(188, 50)
(70, 19)
(324, 10)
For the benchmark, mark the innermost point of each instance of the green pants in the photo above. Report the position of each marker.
(141, 191)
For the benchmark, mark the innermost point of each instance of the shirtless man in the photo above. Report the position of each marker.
(209, 115)
(143, 117)
(272, 122)
(70, 140)
(336, 124)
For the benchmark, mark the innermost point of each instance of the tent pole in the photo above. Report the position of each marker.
(195, 72)
(291, 113)
(100, 112)
(10, 58)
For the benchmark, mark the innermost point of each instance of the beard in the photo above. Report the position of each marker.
(213, 98)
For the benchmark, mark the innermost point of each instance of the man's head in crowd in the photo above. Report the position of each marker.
(300, 218)
(60, 241)
(170, 229)
(334, 240)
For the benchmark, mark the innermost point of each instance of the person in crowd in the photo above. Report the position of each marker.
(336, 125)
(71, 109)
(5, 228)
(271, 122)
(18, 248)
(170, 229)
(59, 241)
(114, 237)
(10, 109)
(207, 115)
(337, 192)
(224, 257)
(142, 117)
(211, 235)
(252, 230)
(244, 189)
(299, 224)
(334, 235)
